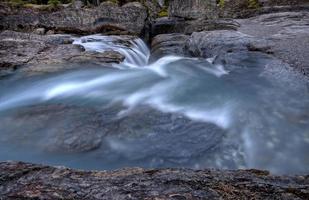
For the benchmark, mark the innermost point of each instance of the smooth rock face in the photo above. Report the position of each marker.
(20, 181)
(106, 18)
(211, 43)
(286, 33)
(283, 35)
(167, 25)
(168, 44)
(193, 9)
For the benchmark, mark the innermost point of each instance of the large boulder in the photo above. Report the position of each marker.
(168, 44)
(212, 43)
(106, 18)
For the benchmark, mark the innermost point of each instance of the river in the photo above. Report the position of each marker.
(174, 112)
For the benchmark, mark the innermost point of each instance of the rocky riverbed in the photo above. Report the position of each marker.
(221, 86)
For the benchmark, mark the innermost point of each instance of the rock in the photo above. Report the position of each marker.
(168, 44)
(245, 8)
(167, 25)
(20, 181)
(97, 57)
(106, 18)
(50, 32)
(287, 35)
(281, 2)
(193, 9)
(73, 129)
(283, 35)
(39, 31)
(153, 7)
(77, 4)
(212, 43)
(33, 54)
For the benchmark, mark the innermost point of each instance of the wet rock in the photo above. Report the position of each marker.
(50, 32)
(284, 35)
(166, 25)
(97, 57)
(73, 128)
(211, 43)
(35, 54)
(20, 180)
(106, 18)
(168, 44)
(39, 31)
(287, 35)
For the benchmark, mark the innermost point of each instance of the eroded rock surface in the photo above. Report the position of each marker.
(106, 18)
(286, 33)
(34, 53)
(29, 181)
(283, 35)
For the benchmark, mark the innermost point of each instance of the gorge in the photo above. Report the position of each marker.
(188, 106)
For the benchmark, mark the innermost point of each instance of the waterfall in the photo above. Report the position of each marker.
(135, 50)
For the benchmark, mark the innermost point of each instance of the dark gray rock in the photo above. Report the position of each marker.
(168, 44)
(212, 43)
(167, 25)
(106, 18)
(193, 9)
(35, 54)
(66, 128)
(287, 35)
(29, 181)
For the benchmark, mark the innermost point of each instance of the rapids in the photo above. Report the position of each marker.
(174, 112)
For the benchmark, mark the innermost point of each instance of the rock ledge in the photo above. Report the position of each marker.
(30, 181)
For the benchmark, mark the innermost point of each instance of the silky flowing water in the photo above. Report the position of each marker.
(174, 112)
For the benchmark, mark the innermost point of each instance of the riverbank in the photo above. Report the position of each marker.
(28, 181)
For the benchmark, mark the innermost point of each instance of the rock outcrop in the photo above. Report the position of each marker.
(166, 25)
(212, 9)
(286, 35)
(168, 44)
(193, 9)
(283, 35)
(47, 53)
(106, 18)
(29, 181)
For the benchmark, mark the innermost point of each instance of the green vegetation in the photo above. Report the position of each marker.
(54, 3)
(17, 3)
(221, 3)
(254, 4)
(163, 12)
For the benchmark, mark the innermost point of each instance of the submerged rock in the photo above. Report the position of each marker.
(20, 180)
(54, 128)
